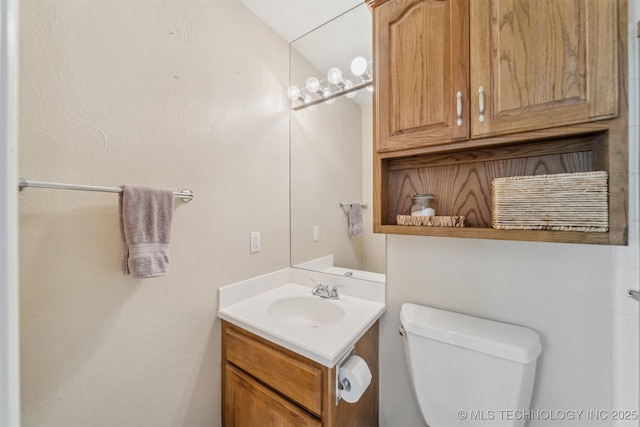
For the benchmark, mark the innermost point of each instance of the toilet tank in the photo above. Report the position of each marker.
(469, 371)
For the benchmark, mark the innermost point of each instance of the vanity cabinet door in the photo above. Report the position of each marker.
(248, 403)
(264, 384)
(421, 52)
(541, 63)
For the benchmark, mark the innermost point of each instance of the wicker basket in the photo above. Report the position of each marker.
(560, 202)
(431, 221)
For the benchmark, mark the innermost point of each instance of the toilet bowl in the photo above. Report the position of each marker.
(469, 371)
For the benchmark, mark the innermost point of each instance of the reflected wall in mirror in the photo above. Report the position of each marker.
(331, 153)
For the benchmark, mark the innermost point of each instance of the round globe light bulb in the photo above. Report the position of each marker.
(334, 75)
(359, 66)
(313, 85)
(293, 92)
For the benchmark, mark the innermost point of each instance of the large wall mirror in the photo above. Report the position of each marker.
(331, 150)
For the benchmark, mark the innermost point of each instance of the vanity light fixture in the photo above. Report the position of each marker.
(294, 94)
(335, 77)
(360, 68)
(313, 85)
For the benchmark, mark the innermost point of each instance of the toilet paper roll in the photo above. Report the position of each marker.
(356, 371)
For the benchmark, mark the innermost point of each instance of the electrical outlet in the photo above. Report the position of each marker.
(316, 233)
(255, 241)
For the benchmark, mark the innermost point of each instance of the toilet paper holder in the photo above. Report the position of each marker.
(344, 385)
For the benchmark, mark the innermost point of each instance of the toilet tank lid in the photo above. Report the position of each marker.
(499, 339)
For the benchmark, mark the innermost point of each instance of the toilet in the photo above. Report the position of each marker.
(469, 371)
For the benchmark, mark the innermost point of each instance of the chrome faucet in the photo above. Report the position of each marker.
(324, 292)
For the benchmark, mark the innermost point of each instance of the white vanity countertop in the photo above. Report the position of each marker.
(325, 344)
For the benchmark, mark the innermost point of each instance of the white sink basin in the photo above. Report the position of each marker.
(312, 312)
(318, 328)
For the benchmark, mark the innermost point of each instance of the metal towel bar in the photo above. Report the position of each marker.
(343, 204)
(185, 194)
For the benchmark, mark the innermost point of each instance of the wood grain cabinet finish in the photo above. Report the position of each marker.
(542, 63)
(471, 90)
(249, 403)
(421, 57)
(453, 69)
(267, 385)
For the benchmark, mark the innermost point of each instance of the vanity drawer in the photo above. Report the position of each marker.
(295, 379)
(249, 403)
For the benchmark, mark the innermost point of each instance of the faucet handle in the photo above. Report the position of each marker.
(334, 291)
(318, 283)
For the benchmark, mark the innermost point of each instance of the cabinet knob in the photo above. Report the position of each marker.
(481, 104)
(459, 108)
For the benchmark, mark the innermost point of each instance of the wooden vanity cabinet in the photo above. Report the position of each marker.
(553, 100)
(266, 385)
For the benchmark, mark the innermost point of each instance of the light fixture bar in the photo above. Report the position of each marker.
(333, 95)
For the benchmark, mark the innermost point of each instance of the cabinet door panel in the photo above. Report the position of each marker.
(297, 380)
(421, 51)
(542, 63)
(248, 403)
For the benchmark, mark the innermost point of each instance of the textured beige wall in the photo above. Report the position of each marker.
(168, 94)
(562, 291)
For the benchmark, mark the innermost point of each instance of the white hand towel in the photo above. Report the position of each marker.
(145, 226)
(356, 228)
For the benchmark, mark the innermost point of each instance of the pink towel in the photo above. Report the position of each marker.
(145, 226)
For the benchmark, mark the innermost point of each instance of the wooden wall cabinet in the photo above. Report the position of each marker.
(542, 64)
(422, 74)
(267, 385)
(471, 90)
(450, 69)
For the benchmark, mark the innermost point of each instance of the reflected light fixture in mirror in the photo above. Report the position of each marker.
(313, 85)
(345, 87)
(335, 77)
(294, 94)
(360, 68)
